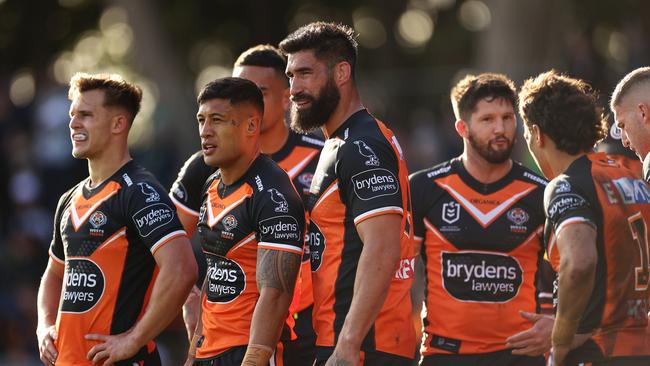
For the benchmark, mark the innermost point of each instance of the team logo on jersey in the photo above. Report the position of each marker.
(374, 183)
(229, 222)
(481, 277)
(450, 212)
(150, 192)
(368, 153)
(518, 216)
(279, 200)
(152, 217)
(562, 186)
(83, 285)
(226, 279)
(316, 241)
(96, 220)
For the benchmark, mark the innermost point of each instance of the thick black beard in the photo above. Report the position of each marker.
(490, 155)
(321, 109)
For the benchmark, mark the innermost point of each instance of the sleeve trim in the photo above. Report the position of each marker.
(166, 239)
(56, 259)
(418, 239)
(378, 212)
(182, 207)
(279, 246)
(571, 221)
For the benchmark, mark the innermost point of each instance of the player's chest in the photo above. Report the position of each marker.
(476, 222)
(87, 228)
(324, 181)
(225, 223)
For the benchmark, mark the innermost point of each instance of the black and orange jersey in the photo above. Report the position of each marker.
(361, 174)
(298, 157)
(106, 238)
(481, 248)
(602, 191)
(260, 210)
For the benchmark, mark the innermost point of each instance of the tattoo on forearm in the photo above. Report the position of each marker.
(277, 269)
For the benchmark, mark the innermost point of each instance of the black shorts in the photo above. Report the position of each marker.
(302, 351)
(499, 358)
(370, 358)
(231, 357)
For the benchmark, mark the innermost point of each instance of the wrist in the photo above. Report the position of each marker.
(563, 331)
(348, 341)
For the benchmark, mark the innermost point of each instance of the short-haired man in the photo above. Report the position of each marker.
(359, 236)
(479, 219)
(120, 263)
(251, 227)
(631, 106)
(596, 236)
(296, 154)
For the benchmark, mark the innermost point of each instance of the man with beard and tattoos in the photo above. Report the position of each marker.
(360, 235)
(478, 220)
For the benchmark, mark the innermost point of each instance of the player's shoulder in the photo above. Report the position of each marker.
(527, 175)
(67, 195)
(310, 140)
(133, 178)
(269, 181)
(432, 173)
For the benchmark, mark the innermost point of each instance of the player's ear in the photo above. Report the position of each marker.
(286, 102)
(537, 136)
(253, 123)
(342, 72)
(644, 111)
(120, 123)
(462, 128)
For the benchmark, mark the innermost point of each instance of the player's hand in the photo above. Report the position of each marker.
(46, 348)
(558, 355)
(534, 341)
(112, 348)
(344, 356)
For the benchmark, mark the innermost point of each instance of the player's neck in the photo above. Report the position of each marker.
(273, 139)
(484, 171)
(348, 105)
(559, 162)
(232, 172)
(104, 166)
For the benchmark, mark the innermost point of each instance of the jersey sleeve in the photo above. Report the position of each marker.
(418, 207)
(151, 214)
(280, 218)
(186, 189)
(57, 251)
(566, 203)
(369, 177)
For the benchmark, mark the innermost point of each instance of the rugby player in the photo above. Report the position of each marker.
(120, 263)
(297, 154)
(251, 228)
(631, 106)
(596, 237)
(359, 236)
(479, 219)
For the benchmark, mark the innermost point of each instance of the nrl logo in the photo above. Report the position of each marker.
(450, 212)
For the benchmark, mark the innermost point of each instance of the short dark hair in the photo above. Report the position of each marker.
(264, 55)
(629, 82)
(470, 90)
(565, 109)
(117, 91)
(237, 90)
(331, 42)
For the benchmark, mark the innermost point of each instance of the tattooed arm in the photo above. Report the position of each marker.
(277, 272)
